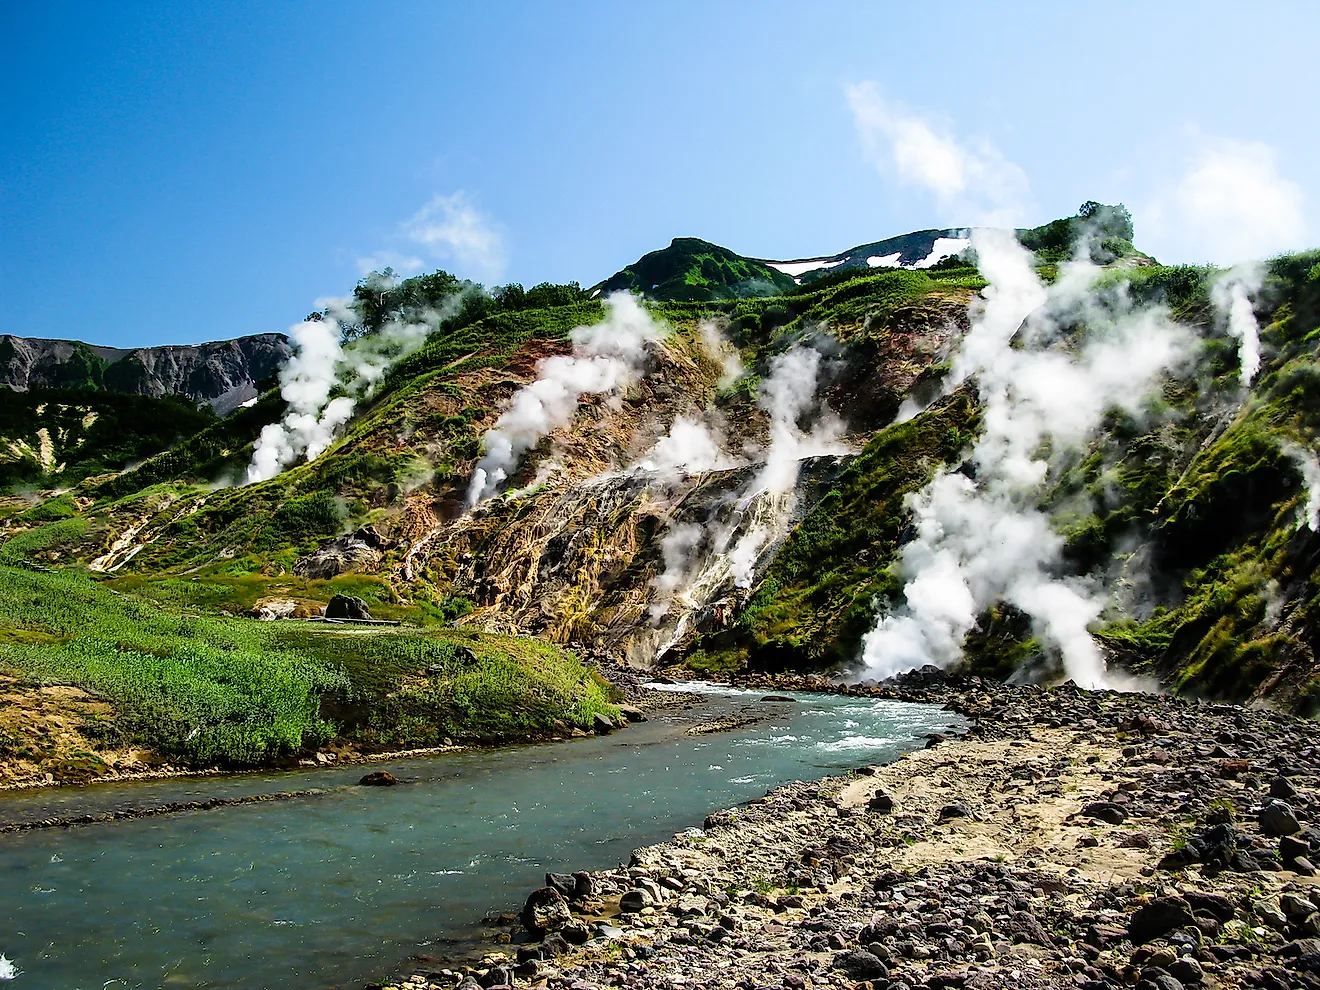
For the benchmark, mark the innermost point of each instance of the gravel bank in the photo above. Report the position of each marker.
(1070, 839)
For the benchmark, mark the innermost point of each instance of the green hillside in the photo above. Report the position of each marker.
(1195, 519)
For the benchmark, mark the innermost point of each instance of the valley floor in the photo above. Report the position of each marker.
(1070, 839)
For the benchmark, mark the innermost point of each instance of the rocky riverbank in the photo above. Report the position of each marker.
(1070, 839)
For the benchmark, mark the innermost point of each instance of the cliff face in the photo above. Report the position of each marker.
(222, 373)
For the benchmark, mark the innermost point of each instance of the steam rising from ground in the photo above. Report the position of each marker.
(607, 357)
(700, 561)
(984, 540)
(1309, 468)
(691, 447)
(1231, 296)
(321, 364)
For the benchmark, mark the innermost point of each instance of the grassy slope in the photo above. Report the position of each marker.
(213, 690)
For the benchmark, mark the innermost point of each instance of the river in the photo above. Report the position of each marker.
(335, 889)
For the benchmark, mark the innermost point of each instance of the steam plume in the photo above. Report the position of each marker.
(1231, 295)
(690, 446)
(982, 541)
(319, 364)
(1310, 470)
(606, 357)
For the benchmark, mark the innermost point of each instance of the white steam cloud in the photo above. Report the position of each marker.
(1309, 468)
(973, 181)
(983, 541)
(1231, 295)
(690, 447)
(607, 357)
(320, 364)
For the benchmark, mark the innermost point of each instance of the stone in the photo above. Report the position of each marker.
(1186, 970)
(545, 911)
(634, 900)
(632, 713)
(1105, 811)
(954, 811)
(347, 607)
(601, 724)
(562, 882)
(379, 778)
(779, 697)
(583, 885)
(881, 803)
(858, 964)
(1269, 913)
(1295, 906)
(1282, 788)
(1157, 918)
(1278, 818)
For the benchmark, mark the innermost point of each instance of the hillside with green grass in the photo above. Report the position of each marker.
(133, 554)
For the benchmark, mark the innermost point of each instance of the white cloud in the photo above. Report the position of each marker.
(448, 232)
(452, 227)
(971, 182)
(1229, 205)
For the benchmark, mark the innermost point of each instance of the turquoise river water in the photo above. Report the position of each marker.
(340, 888)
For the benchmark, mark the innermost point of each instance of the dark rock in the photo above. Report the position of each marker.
(379, 778)
(1105, 811)
(1024, 927)
(347, 607)
(1216, 905)
(562, 882)
(545, 911)
(583, 885)
(1278, 818)
(954, 811)
(602, 724)
(779, 697)
(1158, 918)
(881, 802)
(859, 964)
(1282, 788)
(1186, 970)
(1290, 847)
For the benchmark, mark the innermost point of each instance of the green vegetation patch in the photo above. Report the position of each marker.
(233, 692)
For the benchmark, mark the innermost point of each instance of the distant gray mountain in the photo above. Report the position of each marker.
(224, 373)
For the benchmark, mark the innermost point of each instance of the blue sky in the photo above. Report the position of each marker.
(171, 173)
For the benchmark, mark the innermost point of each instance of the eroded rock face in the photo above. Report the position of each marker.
(356, 551)
(223, 373)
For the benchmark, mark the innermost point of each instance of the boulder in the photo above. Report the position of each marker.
(779, 697)
(583, 885)
(344, 553)
(881, 802)
(1282, 788)
(562, 882)
(954, 811)
(859, 964)
(347, 607)
(379, 778)
(1105, 811)
(602, 724)
(632, 713)
(1159, 917)
(634, 900)
(1278, 818)
(271, 609)
(545, 911)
